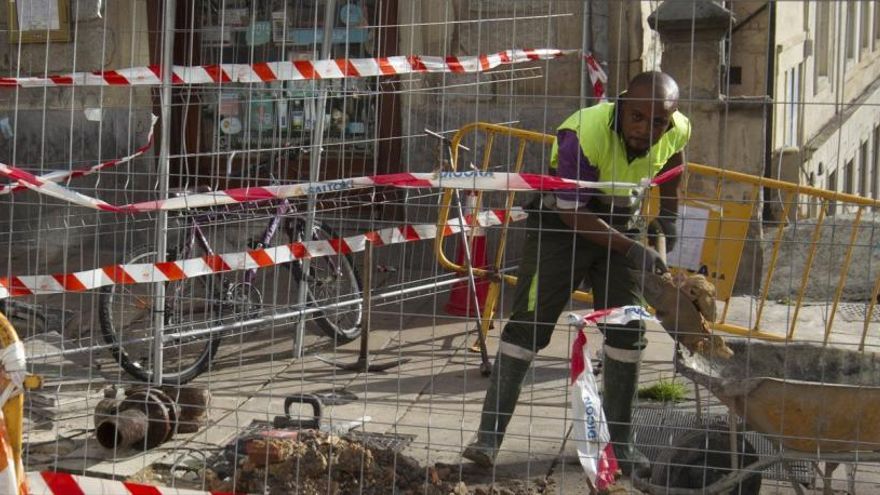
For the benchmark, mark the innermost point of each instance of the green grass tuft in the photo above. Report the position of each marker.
(664, 391)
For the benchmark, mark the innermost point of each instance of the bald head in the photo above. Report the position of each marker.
(654, 86)
(646, 109)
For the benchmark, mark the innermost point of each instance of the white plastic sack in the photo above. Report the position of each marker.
(612, 316)
(590, 432)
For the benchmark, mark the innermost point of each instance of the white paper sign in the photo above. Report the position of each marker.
(38, 15)
(691, 223)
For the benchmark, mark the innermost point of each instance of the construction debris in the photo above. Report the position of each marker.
(700, 291)
(311, 461)
(314, 462)
(828, 261)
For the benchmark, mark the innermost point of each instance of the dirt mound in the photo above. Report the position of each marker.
(319, 463)
(828, 260)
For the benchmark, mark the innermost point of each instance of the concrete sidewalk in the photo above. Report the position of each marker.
(433, 402)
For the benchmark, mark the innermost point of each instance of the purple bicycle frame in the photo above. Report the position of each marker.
(197, 235)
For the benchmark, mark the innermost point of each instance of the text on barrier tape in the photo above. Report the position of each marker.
(471, 180)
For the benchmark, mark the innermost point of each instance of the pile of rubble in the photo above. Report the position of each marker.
(828, 260)
(314, 462)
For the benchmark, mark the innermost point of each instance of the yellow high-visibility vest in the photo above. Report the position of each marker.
(605, 149)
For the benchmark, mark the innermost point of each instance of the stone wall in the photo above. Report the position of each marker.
(748, 48)
(73, 127)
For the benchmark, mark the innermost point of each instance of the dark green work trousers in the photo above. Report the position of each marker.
(555, 261)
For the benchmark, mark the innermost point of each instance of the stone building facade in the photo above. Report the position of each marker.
(797, 88)
(827, 82)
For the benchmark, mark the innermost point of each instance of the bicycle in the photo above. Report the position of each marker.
(192, 306)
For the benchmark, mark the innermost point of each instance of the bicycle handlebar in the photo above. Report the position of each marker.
(255, 170)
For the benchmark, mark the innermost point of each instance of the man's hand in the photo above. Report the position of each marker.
(667, 222)
(645, 259)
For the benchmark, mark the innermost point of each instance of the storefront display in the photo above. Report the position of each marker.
(254, 116)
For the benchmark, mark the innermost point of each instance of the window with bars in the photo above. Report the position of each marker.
(822, 39)
(791, 134)
(863, 169)
(832, 186)
(876, 21)
(875, 165)
(848, 176)
(864, 28)
(851, 27)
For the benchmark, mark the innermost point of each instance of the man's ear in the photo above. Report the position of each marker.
(671, 120)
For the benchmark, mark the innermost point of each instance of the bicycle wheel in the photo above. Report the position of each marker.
(332, 279)
(126, 314)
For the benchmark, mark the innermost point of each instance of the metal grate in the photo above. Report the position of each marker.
(854, 312)
(655, 428)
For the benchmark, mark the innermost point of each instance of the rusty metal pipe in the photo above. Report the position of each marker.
(128, 428)
(147, 417)
(193, 403)
(143, 420)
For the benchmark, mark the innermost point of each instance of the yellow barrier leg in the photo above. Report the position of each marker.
(488, 315)
(13, 410)
(13, 413)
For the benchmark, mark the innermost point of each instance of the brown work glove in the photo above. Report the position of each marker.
(645, 259)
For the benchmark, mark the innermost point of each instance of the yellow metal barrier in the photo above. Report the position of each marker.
(13, 410)
(522, 139)
(722, 236)
(790, 195)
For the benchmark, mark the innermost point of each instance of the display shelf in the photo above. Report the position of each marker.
(248, 116)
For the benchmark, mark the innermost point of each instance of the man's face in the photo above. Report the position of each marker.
(643, 122)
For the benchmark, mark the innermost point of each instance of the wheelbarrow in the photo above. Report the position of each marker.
(815, 403)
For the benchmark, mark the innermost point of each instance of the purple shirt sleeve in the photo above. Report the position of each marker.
(572, 164)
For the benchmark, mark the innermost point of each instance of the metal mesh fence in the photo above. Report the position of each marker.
(321, 246)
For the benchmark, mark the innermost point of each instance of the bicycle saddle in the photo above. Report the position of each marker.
(177, 192)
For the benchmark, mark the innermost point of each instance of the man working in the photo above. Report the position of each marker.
(579, 234)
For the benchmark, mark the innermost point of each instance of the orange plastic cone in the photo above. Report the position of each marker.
(461, 297)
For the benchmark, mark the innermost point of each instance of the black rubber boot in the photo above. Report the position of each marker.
(620, 381)
(507, 377)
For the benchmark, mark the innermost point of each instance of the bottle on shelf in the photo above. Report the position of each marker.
(297, 115)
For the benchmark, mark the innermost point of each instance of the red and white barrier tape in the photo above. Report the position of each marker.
(468, 180)
(299, 70)
(620, 315)
(258, 258)
(48, 188)
(471, 180)
(49, 483)
(667, 176)
(63, 175)
(597, 76)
